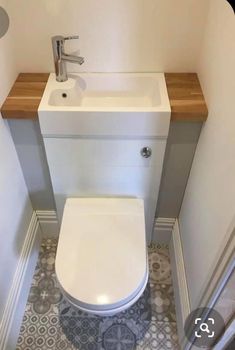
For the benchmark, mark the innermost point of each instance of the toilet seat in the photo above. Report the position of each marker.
(101, 262)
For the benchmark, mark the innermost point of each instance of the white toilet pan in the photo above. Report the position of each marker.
(101, 262)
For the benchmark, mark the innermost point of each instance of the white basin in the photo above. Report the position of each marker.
(107, 91)
(114, 104)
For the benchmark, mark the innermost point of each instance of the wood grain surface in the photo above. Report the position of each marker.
(186, 97)
(25, 96)
(184, 90)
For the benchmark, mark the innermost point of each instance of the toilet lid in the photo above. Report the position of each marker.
(101, 255)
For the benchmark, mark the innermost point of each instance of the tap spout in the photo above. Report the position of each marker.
(72, 58)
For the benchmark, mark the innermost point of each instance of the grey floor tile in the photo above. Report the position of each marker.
(159, 336)
(38, 331)
(50, 322)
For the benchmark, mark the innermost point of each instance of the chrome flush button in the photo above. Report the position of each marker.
(146, 152)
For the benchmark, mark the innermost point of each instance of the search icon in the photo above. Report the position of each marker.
(204, 327)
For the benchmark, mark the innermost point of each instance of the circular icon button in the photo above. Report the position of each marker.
(203, 327)
(4, 22)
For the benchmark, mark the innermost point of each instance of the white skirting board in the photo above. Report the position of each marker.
(17, 299)
(162, 230)
(48, 223)
(182, 301)
(166, 231)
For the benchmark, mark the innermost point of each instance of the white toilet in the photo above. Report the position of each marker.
(107, 140)
(101, 262)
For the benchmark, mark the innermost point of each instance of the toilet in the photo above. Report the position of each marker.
(101, 261)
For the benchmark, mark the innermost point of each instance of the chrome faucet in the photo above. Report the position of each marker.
(60, 57)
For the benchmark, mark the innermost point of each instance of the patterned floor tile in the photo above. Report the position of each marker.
(50, 322)
(162, 303)
(159, 265)
(119, 335)
(38, 332)
(45, 295)
(62, 342)
(159, 336)
(82, 333)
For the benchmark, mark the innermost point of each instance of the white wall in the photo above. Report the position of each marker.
(15, 207)
(209, 202)
(117, 35)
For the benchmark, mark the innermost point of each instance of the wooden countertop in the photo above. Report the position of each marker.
(184, 90)
(186, 97)
(25, 96)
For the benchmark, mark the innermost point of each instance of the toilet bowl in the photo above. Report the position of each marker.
(101, 261)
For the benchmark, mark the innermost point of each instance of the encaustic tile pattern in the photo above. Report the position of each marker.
(50, 322)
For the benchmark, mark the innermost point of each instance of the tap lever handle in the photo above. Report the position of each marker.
(71, 37)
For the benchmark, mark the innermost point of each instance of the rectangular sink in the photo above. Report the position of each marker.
(111, 103)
